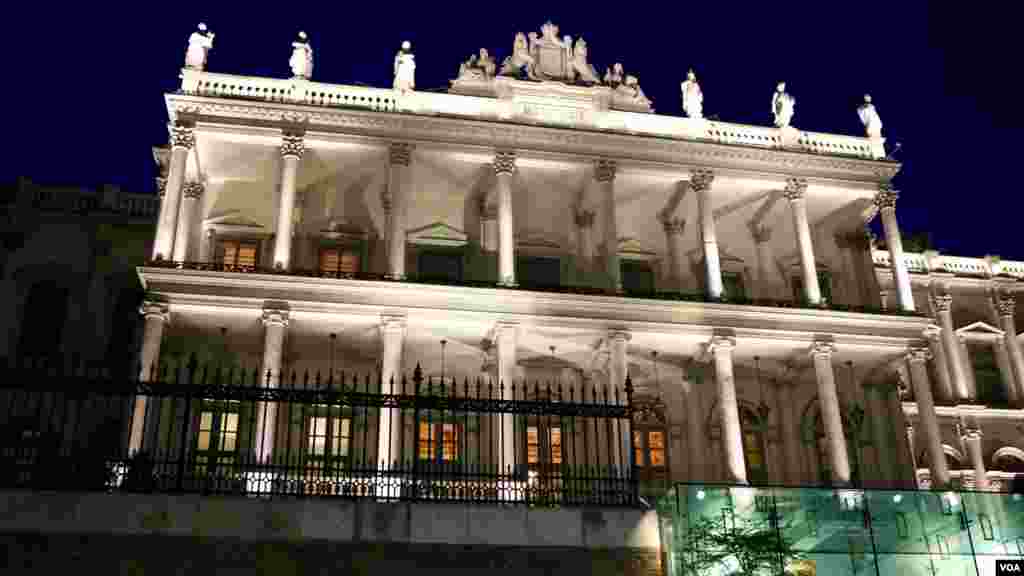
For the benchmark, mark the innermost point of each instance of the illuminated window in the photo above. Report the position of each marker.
(217, 436)
(555, 441)
(532, 445)
(649, 448)
(238, 252)
(339, 260)
(328, 439)
(438, 441)
(547, 452)
(753, 446)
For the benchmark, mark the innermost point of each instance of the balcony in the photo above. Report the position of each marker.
(927, 262)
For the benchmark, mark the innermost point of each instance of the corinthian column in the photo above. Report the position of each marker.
(700, 182)
(618, 342)
(399, 157)
(182, 140)
(1005, 305)
(674, 244)
(950, 342)
(156, 316)
(504, 168)
(971, 436)
(604, 175)
(918, 359)
(192, 191)
(275, 322)
(831, 415)
(292, 148)
(729, 412)
(392, 338)
(762, 236)
(934, 336)
(795, 190)
(886, 202)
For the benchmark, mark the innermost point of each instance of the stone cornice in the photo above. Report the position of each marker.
(954, 414)
(338, 124)
(443, 303)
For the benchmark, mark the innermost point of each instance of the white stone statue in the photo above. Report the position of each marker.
(869, 117)
(478, 66)
(301, 61)
(405, 69)
(199, 44)
(579, 63)
(631, 86)
(520, 58)
(693, 98)
(782, 106)
(613, 76)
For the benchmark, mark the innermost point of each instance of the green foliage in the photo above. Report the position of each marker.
(747, 546)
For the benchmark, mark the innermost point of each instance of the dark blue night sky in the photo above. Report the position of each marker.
(87, 81)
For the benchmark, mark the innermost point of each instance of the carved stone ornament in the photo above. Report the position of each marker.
(504, 162)
(604, 170)
(701, 179)
(193, 190)
(292, 145)
(1005, 304)
(649, 410)
(151, 309)
(182, 136)
(275, 317)
(822, 348)
(721, 344)
(400, 153)
(795, 189)
(673, 226)
(919, 354)
(942, 302)
(584, 218)
(760, 233)
(161, 185)
(886, 197)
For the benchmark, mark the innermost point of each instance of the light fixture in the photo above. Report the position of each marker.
(897, 498)
(700, 494)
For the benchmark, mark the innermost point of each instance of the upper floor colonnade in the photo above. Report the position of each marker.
(177, 226)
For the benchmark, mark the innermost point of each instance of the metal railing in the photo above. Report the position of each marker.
(554, 288)
(214, 429)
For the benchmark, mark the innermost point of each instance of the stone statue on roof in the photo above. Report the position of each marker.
(782, 106)
(478, 66)
(693, 98)
(405, 69)
(519, 59)
(579, 65)
(301, 61)
(613, 76)
(199, 44)
(869, 118)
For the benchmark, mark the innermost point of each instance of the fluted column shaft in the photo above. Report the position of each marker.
(972, 439)
(674, 247)
(918, 359)
(504, 169)
(795, 191)
(831, 415)
(400, 156)
(392, 338)
(696, 443)
(275, 322)
(604, 175)
(182, 140)
(1005, 304)
(155, 316)
(207, 247)
(192, 192)
(886, 202)
(938, 352)
(729, 413)
(790, 434)
(292, 148)
(700, 182)
(506, 337)
(954, 353)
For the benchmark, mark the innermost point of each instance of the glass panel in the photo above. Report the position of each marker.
(328, 260)
(532, 445)
(638, 448)
(204, 440)
(656, 445)
(247, 254)
(556, 445)
(229, 252)
(349, 262)
(425, 441)
(450, 439)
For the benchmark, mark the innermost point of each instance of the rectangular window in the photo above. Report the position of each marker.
(217, 436)
(438, 441)
(656, 448)
(637, 276)
(328, 439)
(824, 284)
(537, 271)
(555, 441)
(532, 445)
(638, 448)
(543, 453)
(440, 265)
(339, 260)
(732, 286)
(238, 252)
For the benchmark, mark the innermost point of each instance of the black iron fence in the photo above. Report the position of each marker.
(559, 288)
(212, 429)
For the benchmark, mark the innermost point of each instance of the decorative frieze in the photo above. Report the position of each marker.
(504, 162)
(292, 145)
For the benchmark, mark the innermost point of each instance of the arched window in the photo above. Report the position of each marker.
(43, 315)
(753, 446)
(1009, 460)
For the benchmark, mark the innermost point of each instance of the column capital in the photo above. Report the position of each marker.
(399, 153)
(970, 431)
(292, 145)
(182, 136)
(701, 179)
(918, 354)
(275, 317)
(584, 218)
(505, 326)
(1005, 305)
(760, 233)
(721, 344)
(886, 196)
(161, 185)
(604, 170)
(795, 188)
(193, 190)
(392, 323)
(822, 348)
(619, 335)
(504, 162)
(942, 302)
(673, 226)
(932, 333)
(153, 309)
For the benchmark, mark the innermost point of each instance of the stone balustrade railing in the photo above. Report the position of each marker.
(927, 262)
(299, 91)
